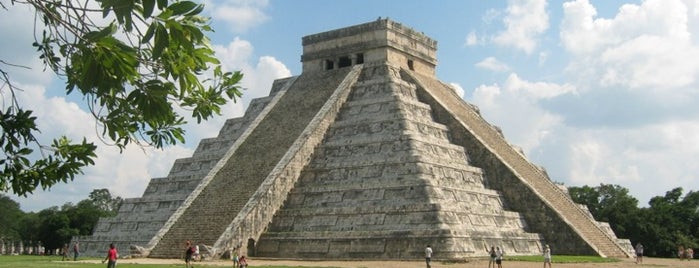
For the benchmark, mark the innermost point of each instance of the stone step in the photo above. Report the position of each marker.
(223, 198)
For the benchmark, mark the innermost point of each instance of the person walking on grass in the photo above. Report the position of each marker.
(76, 251)
(188, 254)
(112, 256)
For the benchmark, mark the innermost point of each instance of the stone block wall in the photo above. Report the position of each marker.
(527, 189)
(139, 219)
(385, 182)
(221, 199)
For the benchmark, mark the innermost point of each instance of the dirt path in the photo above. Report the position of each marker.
(647, 262)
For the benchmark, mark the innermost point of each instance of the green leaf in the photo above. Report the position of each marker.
(196, 11)
(179, 8)
(148, 6)
(96, 35)
(161, 41)
(162, 4)
(149, 33)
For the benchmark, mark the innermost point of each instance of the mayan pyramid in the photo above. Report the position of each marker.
(366, 154)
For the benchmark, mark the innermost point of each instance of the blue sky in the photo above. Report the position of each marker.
(593, 91)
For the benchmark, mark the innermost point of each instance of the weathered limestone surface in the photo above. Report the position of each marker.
(385, 182)
(224, 197)
(546, 208)
(139, 219)
(367, 155)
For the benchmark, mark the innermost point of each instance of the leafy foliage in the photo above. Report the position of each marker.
(55, 226)
(9, 225)
(134, 62)
(669, 222)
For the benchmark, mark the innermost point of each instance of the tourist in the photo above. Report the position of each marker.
(112, 256)
(680, 252)
(196, 256)
(690, 253)
(639, 253)
(235, 259)
(498, 256)
(188, 253)
(242, 262)
(65, 252)
(493, 255)
(428, 256)
(547, 256)
(76, 251)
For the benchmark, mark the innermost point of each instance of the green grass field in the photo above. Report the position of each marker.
(25, 261)
(563, 259)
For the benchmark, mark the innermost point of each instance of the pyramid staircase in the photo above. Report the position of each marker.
(385, 182)
(140, 219)
(242, 176)
(486, 139)
(364, 155)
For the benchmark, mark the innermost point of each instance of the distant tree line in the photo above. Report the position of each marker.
(667, 223)
(54, 226)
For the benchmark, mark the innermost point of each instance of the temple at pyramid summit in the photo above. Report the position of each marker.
(365, 154)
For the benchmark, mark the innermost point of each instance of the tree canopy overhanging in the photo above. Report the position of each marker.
(133, 62)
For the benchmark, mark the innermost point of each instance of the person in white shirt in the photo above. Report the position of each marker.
(428, 256)
(547, 256)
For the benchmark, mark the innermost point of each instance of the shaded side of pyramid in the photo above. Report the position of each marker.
(139, 219)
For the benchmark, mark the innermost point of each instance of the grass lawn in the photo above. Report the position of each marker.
(564, 259)
(25, 261)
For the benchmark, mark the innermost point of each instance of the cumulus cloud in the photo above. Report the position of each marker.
(644, 47)
(628, 111)
(121, 173)
(492, 64)
(458, 89)
(524, 22)
(516, 105)
(239, 15)
(258, 77)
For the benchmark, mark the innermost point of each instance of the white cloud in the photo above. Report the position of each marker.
(472, 39)
(628, 111)
(121, 173)
(524, 21)
(458, 89)
(644, 46)
(126, 174)
(632, 157)
(240, 15)
(258, 78)
(515, 105)
(492, 64)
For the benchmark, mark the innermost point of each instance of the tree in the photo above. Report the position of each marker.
(134, 62)
(54, 228)
(103, 200)
(671, 221)
(610, 203)
(9, 224)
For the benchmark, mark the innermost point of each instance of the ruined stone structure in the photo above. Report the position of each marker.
(366, 154)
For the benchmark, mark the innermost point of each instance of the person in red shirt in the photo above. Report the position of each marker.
(112, 256)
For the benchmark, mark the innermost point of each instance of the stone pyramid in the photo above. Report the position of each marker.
(366, 154)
